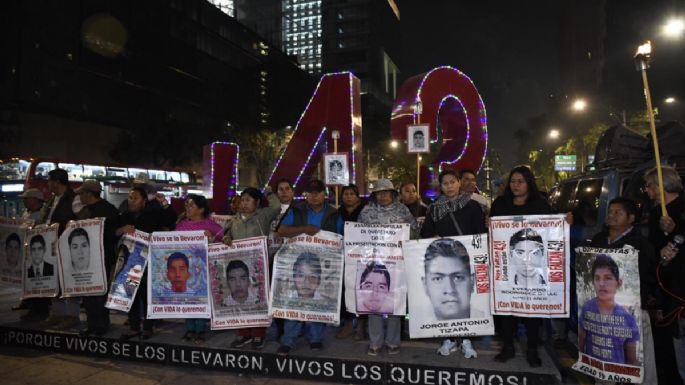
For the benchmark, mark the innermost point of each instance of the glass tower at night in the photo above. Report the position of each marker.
(302, 32)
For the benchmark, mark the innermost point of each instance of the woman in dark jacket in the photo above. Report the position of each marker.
(521, 197)
(453, 213)
(140, 215)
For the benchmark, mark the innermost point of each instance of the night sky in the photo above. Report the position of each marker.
(512, 50)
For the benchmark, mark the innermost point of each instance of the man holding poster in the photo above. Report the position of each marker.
(95, 207)
(622, 337)
(307, 219)
(631, 333)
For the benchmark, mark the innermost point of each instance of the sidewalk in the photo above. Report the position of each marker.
(165, 357)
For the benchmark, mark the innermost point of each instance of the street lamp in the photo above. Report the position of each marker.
(669, 100)
(579, 105)
(554, 133)
(673, 29)
(394, 144)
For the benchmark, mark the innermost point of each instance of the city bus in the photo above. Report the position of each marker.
(19, 174)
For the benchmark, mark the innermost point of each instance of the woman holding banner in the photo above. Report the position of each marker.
(252, 221)
(141, 216)
(385, 208)
(194, 218)
(453, 213)
(521, 197)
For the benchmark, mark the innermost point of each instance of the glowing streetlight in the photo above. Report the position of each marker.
(670, 100)
(579, 105)
(394, 144)
(673, 28)
(554, 133)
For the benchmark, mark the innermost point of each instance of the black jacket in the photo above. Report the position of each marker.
(350, 217)
(675, 210)
(104, 209)
(672, 276)
(63, 212)
(48, 270)
(504, 206)
(470, 218)
(417, 209)
(153, 218)
(649, 289)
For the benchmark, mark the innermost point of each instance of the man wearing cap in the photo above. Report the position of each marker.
(308, 218)
(33, 202)
(96, 207)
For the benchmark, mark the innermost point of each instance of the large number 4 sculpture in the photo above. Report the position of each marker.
(335, 106)
(451, 106)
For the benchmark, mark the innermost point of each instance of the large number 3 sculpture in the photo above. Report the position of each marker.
(451, 106)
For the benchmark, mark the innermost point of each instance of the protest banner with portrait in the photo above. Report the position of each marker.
(239, 281)
(82, 259)
(40, 268)
(132, 256)
(609, 314)
(12, 236)
(449, 286)
(374, 268)
(336, 169)
(307, 279)
(530, 266)
(178, 284)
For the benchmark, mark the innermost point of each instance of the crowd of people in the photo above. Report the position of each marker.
(458, 210)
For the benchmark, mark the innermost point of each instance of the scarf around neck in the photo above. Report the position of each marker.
(443, 205)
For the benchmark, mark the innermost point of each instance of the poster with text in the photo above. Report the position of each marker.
(530, 266)
(374, 268)
(12, 236)
(40, 267)
(307, 281)
(132, 257)
(82, 259)
(449, 287)
(223, 220)
(609, 314)
(239, 276)
(178, 285)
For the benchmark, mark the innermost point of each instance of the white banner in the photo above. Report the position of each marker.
(82, 259)
(40, 268)
(239, 278)
(375, 280)
(449, 287)
(178, 285)
(132, 256)
(307, 281)
(609, 314)
(12, 236)
(530, 266)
